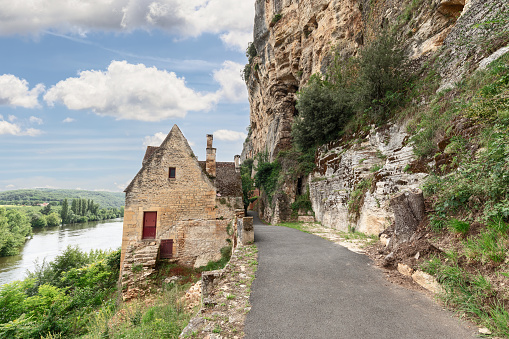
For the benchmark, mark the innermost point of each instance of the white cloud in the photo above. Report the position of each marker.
(154, 140)
(9, 128)
(127, 91)
(237, 40)
(32, 132)
(36, 120)
(67, 120)
(15, 129)
(184, 17)
(10, 186)
(227, 135)
(11, 118)
(137, 92)
(15, 92)
(233, 87)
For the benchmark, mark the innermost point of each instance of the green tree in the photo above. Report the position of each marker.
(14, 228)
(38, 220)
(53, 219)
(46, 209)
(324, 109)
(64, 211)
(381, 76)
(74, 206)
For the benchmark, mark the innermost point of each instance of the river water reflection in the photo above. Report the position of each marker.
(52, 241)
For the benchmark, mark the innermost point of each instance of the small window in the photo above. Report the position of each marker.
(171, 173)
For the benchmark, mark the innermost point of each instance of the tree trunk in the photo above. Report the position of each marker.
(408, 207)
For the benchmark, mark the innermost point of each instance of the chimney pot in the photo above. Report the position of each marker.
(236, 158)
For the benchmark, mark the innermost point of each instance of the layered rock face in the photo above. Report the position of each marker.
(295, 39)
(376, 168)
(289, 51)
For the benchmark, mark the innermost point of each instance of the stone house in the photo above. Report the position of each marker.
(179, 208)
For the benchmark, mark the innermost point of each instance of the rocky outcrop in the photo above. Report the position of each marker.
(372, 170)
(295, 39)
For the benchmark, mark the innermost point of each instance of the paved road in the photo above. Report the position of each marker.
(308, 287)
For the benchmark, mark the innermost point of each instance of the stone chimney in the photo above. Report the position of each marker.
(237, 163)
(210, 166)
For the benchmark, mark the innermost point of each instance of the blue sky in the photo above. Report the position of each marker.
(86, 85)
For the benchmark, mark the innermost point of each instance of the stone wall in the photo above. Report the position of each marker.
(226, 206)
(245, 231)
(200, 241)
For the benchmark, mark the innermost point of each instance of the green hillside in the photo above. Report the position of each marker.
(38, 195)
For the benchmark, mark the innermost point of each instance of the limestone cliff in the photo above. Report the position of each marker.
(295, 39)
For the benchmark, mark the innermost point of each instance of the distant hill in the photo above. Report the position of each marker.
(29, 196)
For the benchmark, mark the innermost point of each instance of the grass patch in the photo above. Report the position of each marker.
(470, 294)
(295, 225)
(165, 317)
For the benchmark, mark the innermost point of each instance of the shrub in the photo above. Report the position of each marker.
(381, 78)
(276, 18)
(246, 72)
(302, 203)
(323, 109)
(251, 51)
(266, 177)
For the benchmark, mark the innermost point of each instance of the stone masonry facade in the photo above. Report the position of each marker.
(192, 203)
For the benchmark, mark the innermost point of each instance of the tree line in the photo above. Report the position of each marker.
(84, 210)
(34, 197)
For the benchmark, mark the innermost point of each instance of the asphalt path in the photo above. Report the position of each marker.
(308, 287)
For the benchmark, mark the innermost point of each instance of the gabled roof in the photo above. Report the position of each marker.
(228, 181)
(152, 151)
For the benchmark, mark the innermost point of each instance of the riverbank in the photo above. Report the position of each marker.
(49, 242)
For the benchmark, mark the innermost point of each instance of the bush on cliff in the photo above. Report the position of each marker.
(381, 78)
(324, 109)
(365, 88)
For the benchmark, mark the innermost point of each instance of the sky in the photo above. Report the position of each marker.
(86, 85)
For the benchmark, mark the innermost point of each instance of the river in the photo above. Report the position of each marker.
(47, 243)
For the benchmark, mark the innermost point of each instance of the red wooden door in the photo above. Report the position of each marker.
(166, 251)
(149, 225)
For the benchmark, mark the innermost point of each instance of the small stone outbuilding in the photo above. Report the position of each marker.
(179, 208)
